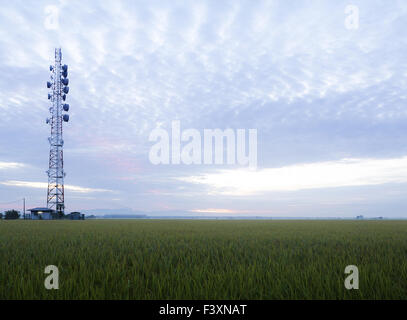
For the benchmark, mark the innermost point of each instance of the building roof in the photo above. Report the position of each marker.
(41, 209)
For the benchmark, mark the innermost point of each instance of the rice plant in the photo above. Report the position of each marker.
(203, 259)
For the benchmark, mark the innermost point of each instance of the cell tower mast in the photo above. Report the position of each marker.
(58, 90)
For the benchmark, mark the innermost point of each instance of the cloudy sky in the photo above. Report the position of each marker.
(325, 92)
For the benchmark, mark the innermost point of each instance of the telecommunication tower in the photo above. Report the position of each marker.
(58, 90)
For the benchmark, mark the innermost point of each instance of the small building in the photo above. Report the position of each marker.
(75, 216)
(41, 213)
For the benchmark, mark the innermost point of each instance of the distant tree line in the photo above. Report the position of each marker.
(14, 215)
(10, 215)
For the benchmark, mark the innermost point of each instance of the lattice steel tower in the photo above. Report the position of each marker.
(58, 90)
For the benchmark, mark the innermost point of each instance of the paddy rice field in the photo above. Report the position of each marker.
(203, 259)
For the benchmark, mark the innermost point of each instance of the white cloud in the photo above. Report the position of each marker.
(342, 173)
(10, 165)
(44, 185)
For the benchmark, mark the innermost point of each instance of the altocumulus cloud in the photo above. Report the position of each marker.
(315, 91)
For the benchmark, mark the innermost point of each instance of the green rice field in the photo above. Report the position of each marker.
(203, 259)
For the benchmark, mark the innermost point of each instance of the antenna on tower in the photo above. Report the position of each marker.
(59, 89)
